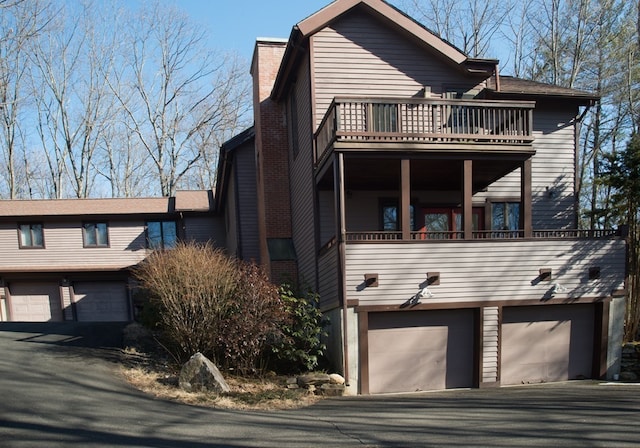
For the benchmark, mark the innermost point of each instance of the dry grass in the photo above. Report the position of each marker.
(267, 393)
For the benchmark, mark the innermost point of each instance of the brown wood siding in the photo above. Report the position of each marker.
(231, 222)
(357, 55)
(490, 333)
(201, 230)
(483, 270)
(247, 201)
(302, 193)
(328, 279)
(64, 248)
(552, 176)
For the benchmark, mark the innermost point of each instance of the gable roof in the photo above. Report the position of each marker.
(383, 11)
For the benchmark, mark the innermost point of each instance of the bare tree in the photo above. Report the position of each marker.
(179, 98)
(20, 22)
(72, 95)
(470, 25)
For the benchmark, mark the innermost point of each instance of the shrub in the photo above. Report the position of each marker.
(256, 316)
(300, 346)
(193, 287)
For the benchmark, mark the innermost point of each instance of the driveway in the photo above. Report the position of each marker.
(59, 388)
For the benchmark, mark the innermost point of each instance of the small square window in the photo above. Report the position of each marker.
(31, 236)
(95, 234)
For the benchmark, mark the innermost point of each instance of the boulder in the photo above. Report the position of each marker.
(199, 374)
(336, 379)
(313, 379)
(332, 390)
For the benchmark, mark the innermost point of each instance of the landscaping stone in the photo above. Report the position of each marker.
(332, 390)
(200, 374)
(313, 379)
(336, 379)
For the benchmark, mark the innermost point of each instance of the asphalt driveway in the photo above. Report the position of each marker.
(59, 388)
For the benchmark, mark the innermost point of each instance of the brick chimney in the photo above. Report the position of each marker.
(272, 158)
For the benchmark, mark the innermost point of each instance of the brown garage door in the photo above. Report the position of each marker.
(101, 301)
(546, 343)
(35, 302)
(420, 350)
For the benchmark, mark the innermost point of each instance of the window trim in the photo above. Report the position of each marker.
(97, 245)
(31, 224)
(395, 202)
(489, 213)
(162, 237)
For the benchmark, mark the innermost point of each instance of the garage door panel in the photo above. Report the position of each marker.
(546, 343)
(424, 350)
(35, 302)
(101, 301)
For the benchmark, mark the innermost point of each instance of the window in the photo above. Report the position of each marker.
(390, 219)
(31, 236)
(385, 117)
(505, 216)
(161, 234)
(95, 234)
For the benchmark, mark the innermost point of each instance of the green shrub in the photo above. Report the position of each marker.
(300, 346)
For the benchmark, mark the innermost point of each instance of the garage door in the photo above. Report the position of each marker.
(35, 302)
(101, 301)
(420, 350)
(546, 343)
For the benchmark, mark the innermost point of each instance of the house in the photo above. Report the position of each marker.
(70, 259)
(430, 201)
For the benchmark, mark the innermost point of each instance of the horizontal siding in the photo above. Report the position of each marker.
(201, 230)
(484, 270)
(301, 175)
(64, 249)
(360, 56)
(245, 166)
(552, 170)
(328, 279)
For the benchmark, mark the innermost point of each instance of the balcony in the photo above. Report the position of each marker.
(398, 123)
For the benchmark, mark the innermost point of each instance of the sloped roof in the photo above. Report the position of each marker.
(510, 85)
(193, 200)
(385, 12)
(184, 201)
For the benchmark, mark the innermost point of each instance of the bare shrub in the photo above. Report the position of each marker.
(193, 287)
(252, 321)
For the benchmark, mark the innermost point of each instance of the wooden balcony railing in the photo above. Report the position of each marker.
(429, 120)
(381, 236)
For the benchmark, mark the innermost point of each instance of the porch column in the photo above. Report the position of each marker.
(467, 199)
(405, 198)
(525, 199)
(341, 236)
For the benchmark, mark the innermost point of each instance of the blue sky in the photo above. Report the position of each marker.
(235, 24)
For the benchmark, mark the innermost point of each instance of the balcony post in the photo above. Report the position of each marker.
(339, 182)
(467, 199)
(405, 198)
(525, 199)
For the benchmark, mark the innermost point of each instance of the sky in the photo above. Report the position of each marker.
(235, 24)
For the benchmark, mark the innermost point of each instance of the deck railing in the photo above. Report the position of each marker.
(427, 120)
(382, 236)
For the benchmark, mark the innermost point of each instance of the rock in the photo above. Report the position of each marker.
(336, 379)
(313, 379)
(199, 374)
(332, 390)
(628, 376)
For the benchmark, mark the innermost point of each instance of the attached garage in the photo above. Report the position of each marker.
(35, 302)
(101, 301)
(420, 350)
(547, 343)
